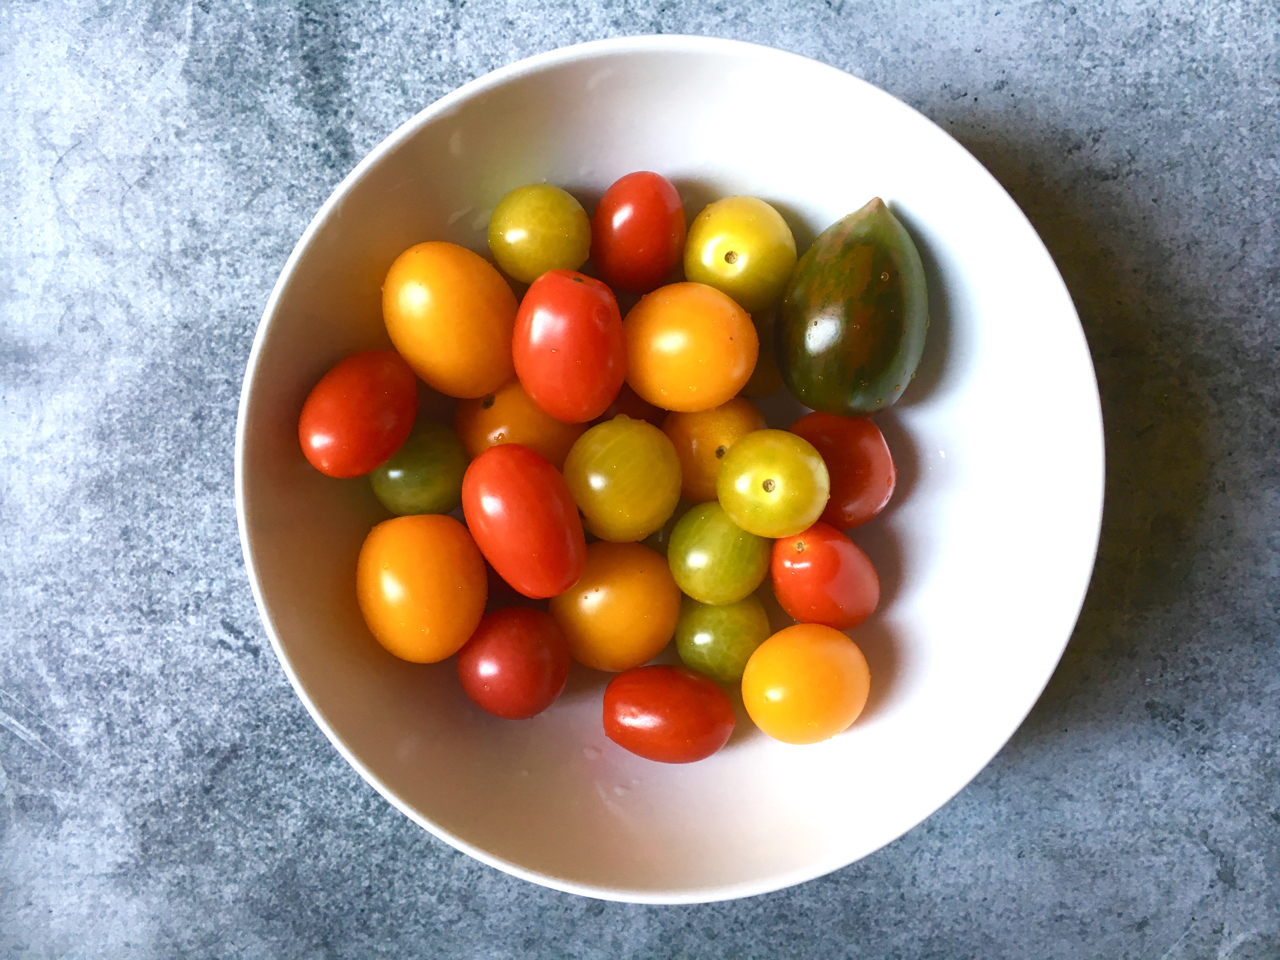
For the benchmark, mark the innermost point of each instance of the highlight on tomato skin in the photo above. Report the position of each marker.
(523, 518)
(358, 414)
(667, 714)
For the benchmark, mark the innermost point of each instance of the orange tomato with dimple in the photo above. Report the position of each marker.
(703, 438)
(805, 684)
(509, 415)
(421, 585)
(689, 347)
(450, 315)
(623, 609)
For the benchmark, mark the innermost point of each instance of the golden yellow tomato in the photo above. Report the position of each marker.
(450, 314)
(742, 246)
(689, 347)
(622, 611)
(805, 684)
(703, 438)
(421, 585)
(509, 416)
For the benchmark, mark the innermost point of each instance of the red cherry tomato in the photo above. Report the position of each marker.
(821, 576)
(667, 714)
(568, 346)
(359, 413)
(629, 403)
(858, 459)
(637, 232)
(515, 664)
(524, 521)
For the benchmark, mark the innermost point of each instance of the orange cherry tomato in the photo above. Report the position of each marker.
(689, 347)
(703, 438)
(509, 415)
(805, 684)
(622, 611)
(421, 585)
(450, 314)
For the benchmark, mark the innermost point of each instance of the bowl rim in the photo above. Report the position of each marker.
(648, 43)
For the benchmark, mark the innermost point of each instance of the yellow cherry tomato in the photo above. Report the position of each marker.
(743, 247)
(805, 684)
(689, 347)
(509, 416)
(536, 228)
(703, 438)
(421, 585)
(450, 314)
(622, 611)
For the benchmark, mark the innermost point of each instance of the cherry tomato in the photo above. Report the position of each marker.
(359, 413)
(515, 664)
(627, 402)
(713, 559)
(637, 232)
(450, 314)
(766, 378)
(742, 247)
(622, 611)
(862, 472)
(536, 228)
(689, 347)
(667, 714)
(625, 477)
(425, 474)
(568, 346)
(773, 483)
(805, 684)
(719, 640)
(702, 439)
(421, 585)
(508, 416)
(523, 519)
(821, 576)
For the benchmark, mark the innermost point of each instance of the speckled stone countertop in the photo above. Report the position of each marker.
(164, 794)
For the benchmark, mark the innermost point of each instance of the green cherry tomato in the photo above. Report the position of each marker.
(719, 640)
(625, 478)
(773, 483)
(425, 474)
(536, 228)
(742, 247)
(713, 559)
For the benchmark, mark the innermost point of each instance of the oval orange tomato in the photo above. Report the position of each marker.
(421, 585)
(509, 415)
(689, 347)
(450, 314)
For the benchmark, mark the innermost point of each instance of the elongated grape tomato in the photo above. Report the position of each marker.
(667, 714)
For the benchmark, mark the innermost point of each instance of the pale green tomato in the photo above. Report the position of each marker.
(713, 559)
(536, 228)
(719, 640)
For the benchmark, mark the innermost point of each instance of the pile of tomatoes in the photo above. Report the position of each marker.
(574, 424)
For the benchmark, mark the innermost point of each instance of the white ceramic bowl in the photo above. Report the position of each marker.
(985, 552)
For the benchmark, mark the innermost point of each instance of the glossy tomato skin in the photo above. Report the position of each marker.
(857, 457)
(421, 586)
(702, 439)
(689, 347)
(359, 413)
(714, 560)
(508, 415)
(628, 402)
(773, 483)
(536, 228)
(450, 314)
(568, 346)
(524, 521)
(515, 664)
(667, 714)
(821, 576)
(425, 474)
(638, 232)
(742, 246)
(805, 684)
(623, 610)
(719, 640)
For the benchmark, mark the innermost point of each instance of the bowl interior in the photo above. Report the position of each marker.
(984, 554)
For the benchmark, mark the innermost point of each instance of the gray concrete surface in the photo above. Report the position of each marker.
(162, 791)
